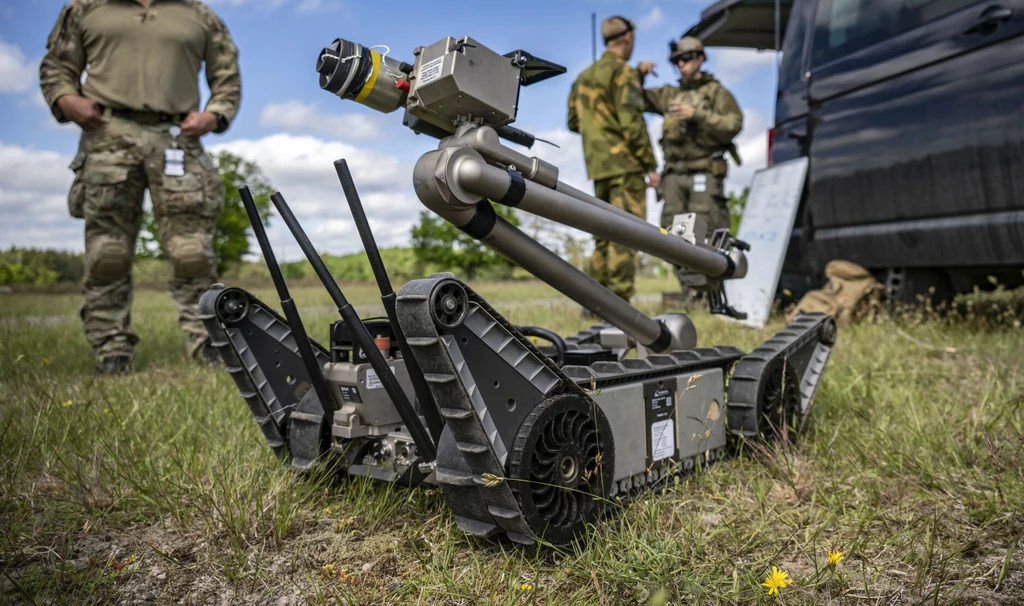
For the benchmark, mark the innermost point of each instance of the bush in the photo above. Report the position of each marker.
(39, 267)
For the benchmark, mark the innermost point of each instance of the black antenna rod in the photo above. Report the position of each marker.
(428, 407)
(405, 410)
(291, 312)
(593, 36)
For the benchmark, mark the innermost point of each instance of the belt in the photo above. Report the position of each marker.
(144, 117)
(689, 166)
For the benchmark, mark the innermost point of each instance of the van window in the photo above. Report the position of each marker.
(794, 46)
(846, 26)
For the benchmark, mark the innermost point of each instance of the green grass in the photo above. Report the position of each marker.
(158, 488)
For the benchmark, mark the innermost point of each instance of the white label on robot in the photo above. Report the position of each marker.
(431, 70)
(663, 439)
(174, 162)
(700, 183)
(372, 380)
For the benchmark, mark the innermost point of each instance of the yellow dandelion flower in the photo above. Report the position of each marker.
(46, 360)
(526, 587)
(834, 557)
(68, 403)
(776, 580)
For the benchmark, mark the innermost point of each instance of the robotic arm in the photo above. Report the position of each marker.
(466, 95)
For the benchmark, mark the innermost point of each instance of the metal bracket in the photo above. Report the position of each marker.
(718, 302)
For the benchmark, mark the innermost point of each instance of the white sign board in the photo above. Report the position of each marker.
(766, 225)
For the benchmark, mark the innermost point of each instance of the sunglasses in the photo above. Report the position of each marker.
(687, 57)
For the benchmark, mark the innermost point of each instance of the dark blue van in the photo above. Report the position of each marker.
(911, 113)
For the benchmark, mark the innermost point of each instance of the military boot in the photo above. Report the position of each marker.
(114, 365)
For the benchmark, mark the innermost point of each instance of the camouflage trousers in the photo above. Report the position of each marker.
(611, 264)
(700, 193)
(116, 163)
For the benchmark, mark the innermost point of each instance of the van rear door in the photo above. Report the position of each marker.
(917, 132)
(743, 24)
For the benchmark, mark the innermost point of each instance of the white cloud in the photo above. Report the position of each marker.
(298, 117)
(652, 20)
(17, 74)
(33, 200)
(302, 169)
(733, 65)
(34, 186)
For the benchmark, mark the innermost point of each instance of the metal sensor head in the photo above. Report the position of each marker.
(450, 83)
(355, 72)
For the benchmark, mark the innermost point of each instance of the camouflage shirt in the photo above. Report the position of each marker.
(606, 107)
(143, 59)
(716, 120)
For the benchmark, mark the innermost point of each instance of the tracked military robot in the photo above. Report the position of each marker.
(530, 435)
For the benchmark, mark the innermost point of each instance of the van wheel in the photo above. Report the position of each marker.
(909, 285)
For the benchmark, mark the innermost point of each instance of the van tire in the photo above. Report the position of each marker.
(909, 285)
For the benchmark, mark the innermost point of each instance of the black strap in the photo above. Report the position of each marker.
(482, 222)
(516, 190)
(730, 269)
(663, 341)
(626, 22)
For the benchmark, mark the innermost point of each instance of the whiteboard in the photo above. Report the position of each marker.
(766, 226)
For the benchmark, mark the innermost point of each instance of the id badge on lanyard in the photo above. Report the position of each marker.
(174, 157)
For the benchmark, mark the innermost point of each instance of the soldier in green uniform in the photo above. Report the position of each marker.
(701, 120)
(141, 124)
(606, 108)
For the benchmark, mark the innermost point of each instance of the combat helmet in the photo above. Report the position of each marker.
(686, 44)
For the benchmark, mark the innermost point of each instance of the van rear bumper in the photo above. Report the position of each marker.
(985, 239)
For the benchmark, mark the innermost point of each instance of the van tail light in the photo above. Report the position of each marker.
(771, 140)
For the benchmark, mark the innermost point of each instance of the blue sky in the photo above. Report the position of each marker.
(295, 130)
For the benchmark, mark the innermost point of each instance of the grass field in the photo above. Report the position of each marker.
(157, 488)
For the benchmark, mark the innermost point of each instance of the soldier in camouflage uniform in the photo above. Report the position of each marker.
(701, 120)
(139, 113)
(606, 108)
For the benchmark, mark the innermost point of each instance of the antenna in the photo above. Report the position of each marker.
(593, 36)
(291, 312)
(362, 336)
(428, 407)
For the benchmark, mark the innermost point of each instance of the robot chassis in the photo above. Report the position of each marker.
(527, 441)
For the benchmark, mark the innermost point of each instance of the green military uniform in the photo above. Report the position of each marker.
(694, 150)
(606, 107)
(143, 65)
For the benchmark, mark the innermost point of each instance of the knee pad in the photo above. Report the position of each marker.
(189, 257)
(109, 258)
